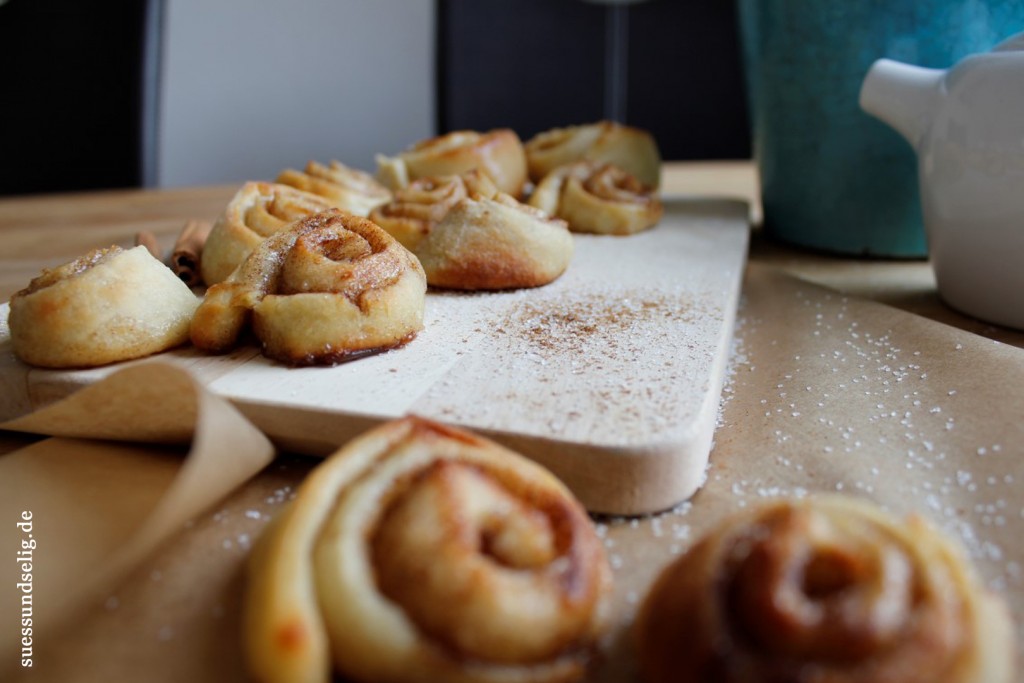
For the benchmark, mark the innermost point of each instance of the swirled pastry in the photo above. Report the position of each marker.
(257, 211)
(416, 209)
(419, 552)
(495, 243)
(498, 153)
(631, 149)
(107, 306)
(331, 287)
(598, 198)
(348, 189)
(823, 590)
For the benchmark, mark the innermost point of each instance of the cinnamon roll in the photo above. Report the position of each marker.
(419, 552)
(416, 209)
(348, 189)
(495, 243)
(110, 305)
(825, 589)
(257, 211)
(498, 153)
(598, 198)
(632, 149)
(331, 287)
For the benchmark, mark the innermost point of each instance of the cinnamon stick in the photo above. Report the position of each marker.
(188, 250)
(148, 240)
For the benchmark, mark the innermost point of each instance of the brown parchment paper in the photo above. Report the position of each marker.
(133, 458)
(824, 393)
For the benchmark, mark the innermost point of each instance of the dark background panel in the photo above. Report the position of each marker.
(536, 64)
(686, 78)
(525, 64)
(72, 84)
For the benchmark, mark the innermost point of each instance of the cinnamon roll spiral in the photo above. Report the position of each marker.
(495, 242)
(348, 189)
(631, 149)
(598, 198)
(498, 153)
(823, 590)
(331, 287)
(257, 211)
(416, 209)
(419, 552)
(109, 305)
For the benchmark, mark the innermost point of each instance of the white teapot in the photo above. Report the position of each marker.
(967, 126)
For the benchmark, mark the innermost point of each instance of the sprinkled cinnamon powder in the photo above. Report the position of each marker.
(570, 324)
(609, 365)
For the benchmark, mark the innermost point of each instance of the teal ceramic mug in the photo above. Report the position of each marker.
(832, 177)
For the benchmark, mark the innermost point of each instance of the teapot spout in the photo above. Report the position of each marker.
(902, 96)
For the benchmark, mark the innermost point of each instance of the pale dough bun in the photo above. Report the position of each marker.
(495, 243)
(416, 209)
(423, 553)
(598, 198)
(631, 149)
(257, 211)
(331, 287)
(107, 306)
(348, 189)
(825, 588)
(498, 153)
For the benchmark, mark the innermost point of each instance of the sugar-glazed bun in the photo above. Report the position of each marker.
(331, 287)
(416, 209)
(257, 211)
(495, 242)
(348, 189)
(823, 589)
(107, 306)
(498, 153)
(631, 149)
(422, 553)
(598, 198)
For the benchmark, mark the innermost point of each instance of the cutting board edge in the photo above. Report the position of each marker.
(609, 479)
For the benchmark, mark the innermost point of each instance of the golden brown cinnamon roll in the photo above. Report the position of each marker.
(257, 211)
(107, 306)
(495, 243)
(419, 552)
(348, 189)
(631, 149)
(331, 287)
(598, 198)
(416, 209)
(825, 589)
(498, 153)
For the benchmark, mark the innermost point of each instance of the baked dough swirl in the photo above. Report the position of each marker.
(331, 287)
(598, 198)
(823, 590)
(631, 149)
(257, 211)
(495, 242)
(498, 153)
(348, 189)
(109, 305)
(419, 552)
(416, 209)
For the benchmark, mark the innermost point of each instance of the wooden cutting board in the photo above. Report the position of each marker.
(610, 376)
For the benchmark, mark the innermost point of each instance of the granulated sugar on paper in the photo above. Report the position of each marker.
(866, 417)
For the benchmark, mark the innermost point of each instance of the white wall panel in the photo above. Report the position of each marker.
(249, 87)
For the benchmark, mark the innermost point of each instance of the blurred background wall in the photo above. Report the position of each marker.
(251, 86)
(166, 93)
